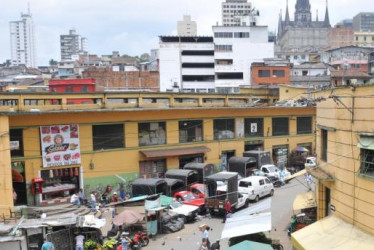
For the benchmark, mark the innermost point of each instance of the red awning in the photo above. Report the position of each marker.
(174, 152)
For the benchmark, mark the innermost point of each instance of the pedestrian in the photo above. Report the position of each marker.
(47, 245)
(205, 236)
(281, 177)
(14, 196)
(82, 197)
(125, 240)
(227, 210)
(215, 245)
(79, 242)
(93, 201)
(114, 197)
(75, 199)
(204, 245)
(122, 193)
(309, 180)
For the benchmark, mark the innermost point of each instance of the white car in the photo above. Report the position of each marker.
(273, 171)
(243, 199)
(256, 187)
(187, 212)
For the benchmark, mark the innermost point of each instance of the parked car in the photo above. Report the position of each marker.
(198, 190)
(187, 212)
(187, 197)
(256, 187)
(272, 170)
(243, 198)
(274, 180)
(311, 161)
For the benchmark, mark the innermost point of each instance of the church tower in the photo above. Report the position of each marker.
(303, 15)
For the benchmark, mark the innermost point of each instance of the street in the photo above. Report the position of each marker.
(190, 236)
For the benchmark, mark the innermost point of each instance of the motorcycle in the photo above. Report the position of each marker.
(142, 239)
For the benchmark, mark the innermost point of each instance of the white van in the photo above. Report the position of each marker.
(256, 187)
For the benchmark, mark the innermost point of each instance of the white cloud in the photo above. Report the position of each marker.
(133, 26)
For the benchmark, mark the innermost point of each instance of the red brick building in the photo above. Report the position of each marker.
(123, 80)
(340, 36)
(270, 72)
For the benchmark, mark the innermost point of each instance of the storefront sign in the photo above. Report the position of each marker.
(14, 145)
(60, 145)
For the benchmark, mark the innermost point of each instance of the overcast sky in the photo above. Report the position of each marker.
(133, 26)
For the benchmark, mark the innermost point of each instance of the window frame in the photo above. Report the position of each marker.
(161, 124)
(108, 144)
(216, 131)
(280, 133)
(304, 132)
(247, 125)
(199, 123)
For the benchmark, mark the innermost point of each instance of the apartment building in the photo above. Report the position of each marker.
(72, 45)
(364, 21)
(233, 10)
(187, 27)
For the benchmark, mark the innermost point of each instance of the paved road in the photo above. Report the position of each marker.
(190, 236)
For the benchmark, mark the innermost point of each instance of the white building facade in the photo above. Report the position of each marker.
(22, 41)
(187, 27)
(233, 10)
(236, 48)
(186, 64)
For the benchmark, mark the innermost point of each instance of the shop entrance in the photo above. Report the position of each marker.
(225, 157)
(254, 145)
(19, 182)
(59, 183)
(183, 160)
(152, 169)
(280, 156)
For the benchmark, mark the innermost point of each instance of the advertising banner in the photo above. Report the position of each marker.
(60, 145)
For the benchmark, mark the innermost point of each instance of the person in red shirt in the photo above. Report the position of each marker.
(114, 197)
(227, 210)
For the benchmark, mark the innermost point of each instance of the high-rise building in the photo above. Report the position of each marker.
(364, 21)
(187, 27)
(22, 41)
(72, 45)
(233, 10)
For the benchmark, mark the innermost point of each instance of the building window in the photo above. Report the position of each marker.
(69, 89)
(224, 129)
(367, 162)
(16, 142)
(254, 127)
(324, 138)
(190, 131)
(223, 48)
(264, 73)
(109, 136)
(152, 133)
(279, 73)
(241, 34)
(223, 34)
(280, 126)
(304, 125)
(152, 169)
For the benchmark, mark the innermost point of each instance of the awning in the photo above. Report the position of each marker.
(319, 173)
(366, 142)
(297, 174)
(331, 233)
(249, 224)
(174, 152)
(303, 201)
(250, 245)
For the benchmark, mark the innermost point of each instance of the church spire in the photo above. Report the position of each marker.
(287, 18)
(317, 15)
(280, 24)
(327, 17)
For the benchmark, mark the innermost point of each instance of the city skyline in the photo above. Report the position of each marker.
(133, 27)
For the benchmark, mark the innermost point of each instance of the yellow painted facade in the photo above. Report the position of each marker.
(101, 167)
(346, 118)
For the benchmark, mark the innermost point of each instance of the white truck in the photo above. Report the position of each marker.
(243, 199)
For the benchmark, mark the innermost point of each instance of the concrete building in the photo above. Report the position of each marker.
(124, 136)
(22, 41)
(186, 64)
(233, 10)
(345, 53)
(271, 72)
(364, 38)
(364, 22)
(340, 36)
(344, 172)
(310, 74)
(302, 32)
(236, 48)
(187, 27)
(72, 45)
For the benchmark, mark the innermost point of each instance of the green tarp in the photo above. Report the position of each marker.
(166, 200)
(250, 245)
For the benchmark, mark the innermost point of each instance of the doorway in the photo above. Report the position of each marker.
(183, 160)
(19, 182)
(225, 157)
(327, 201)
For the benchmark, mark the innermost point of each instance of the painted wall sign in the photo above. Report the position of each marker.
(60, 145)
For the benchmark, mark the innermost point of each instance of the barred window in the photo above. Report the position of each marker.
(304, 125)
(367, 162)
(108, 136)
(264, 73)
(280, 126)
(224, 129)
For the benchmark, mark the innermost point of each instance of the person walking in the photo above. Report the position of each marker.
(205, 236)
(47, 245)
(93, 201)
(122, 194)
(227, 210)
(281, 177)
(79, 242)
(82, 197)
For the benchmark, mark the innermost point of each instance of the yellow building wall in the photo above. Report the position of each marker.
(6, 189)
(351, 193)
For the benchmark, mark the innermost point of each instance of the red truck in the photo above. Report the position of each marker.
(187, 197)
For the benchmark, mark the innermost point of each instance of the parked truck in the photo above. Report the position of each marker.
(262, 157)
(242, 165)
(203, 169)
(214, 200)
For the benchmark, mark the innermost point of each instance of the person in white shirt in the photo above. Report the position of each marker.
(75, 199)
(206, 236)
(93, 202)
(79, 242)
